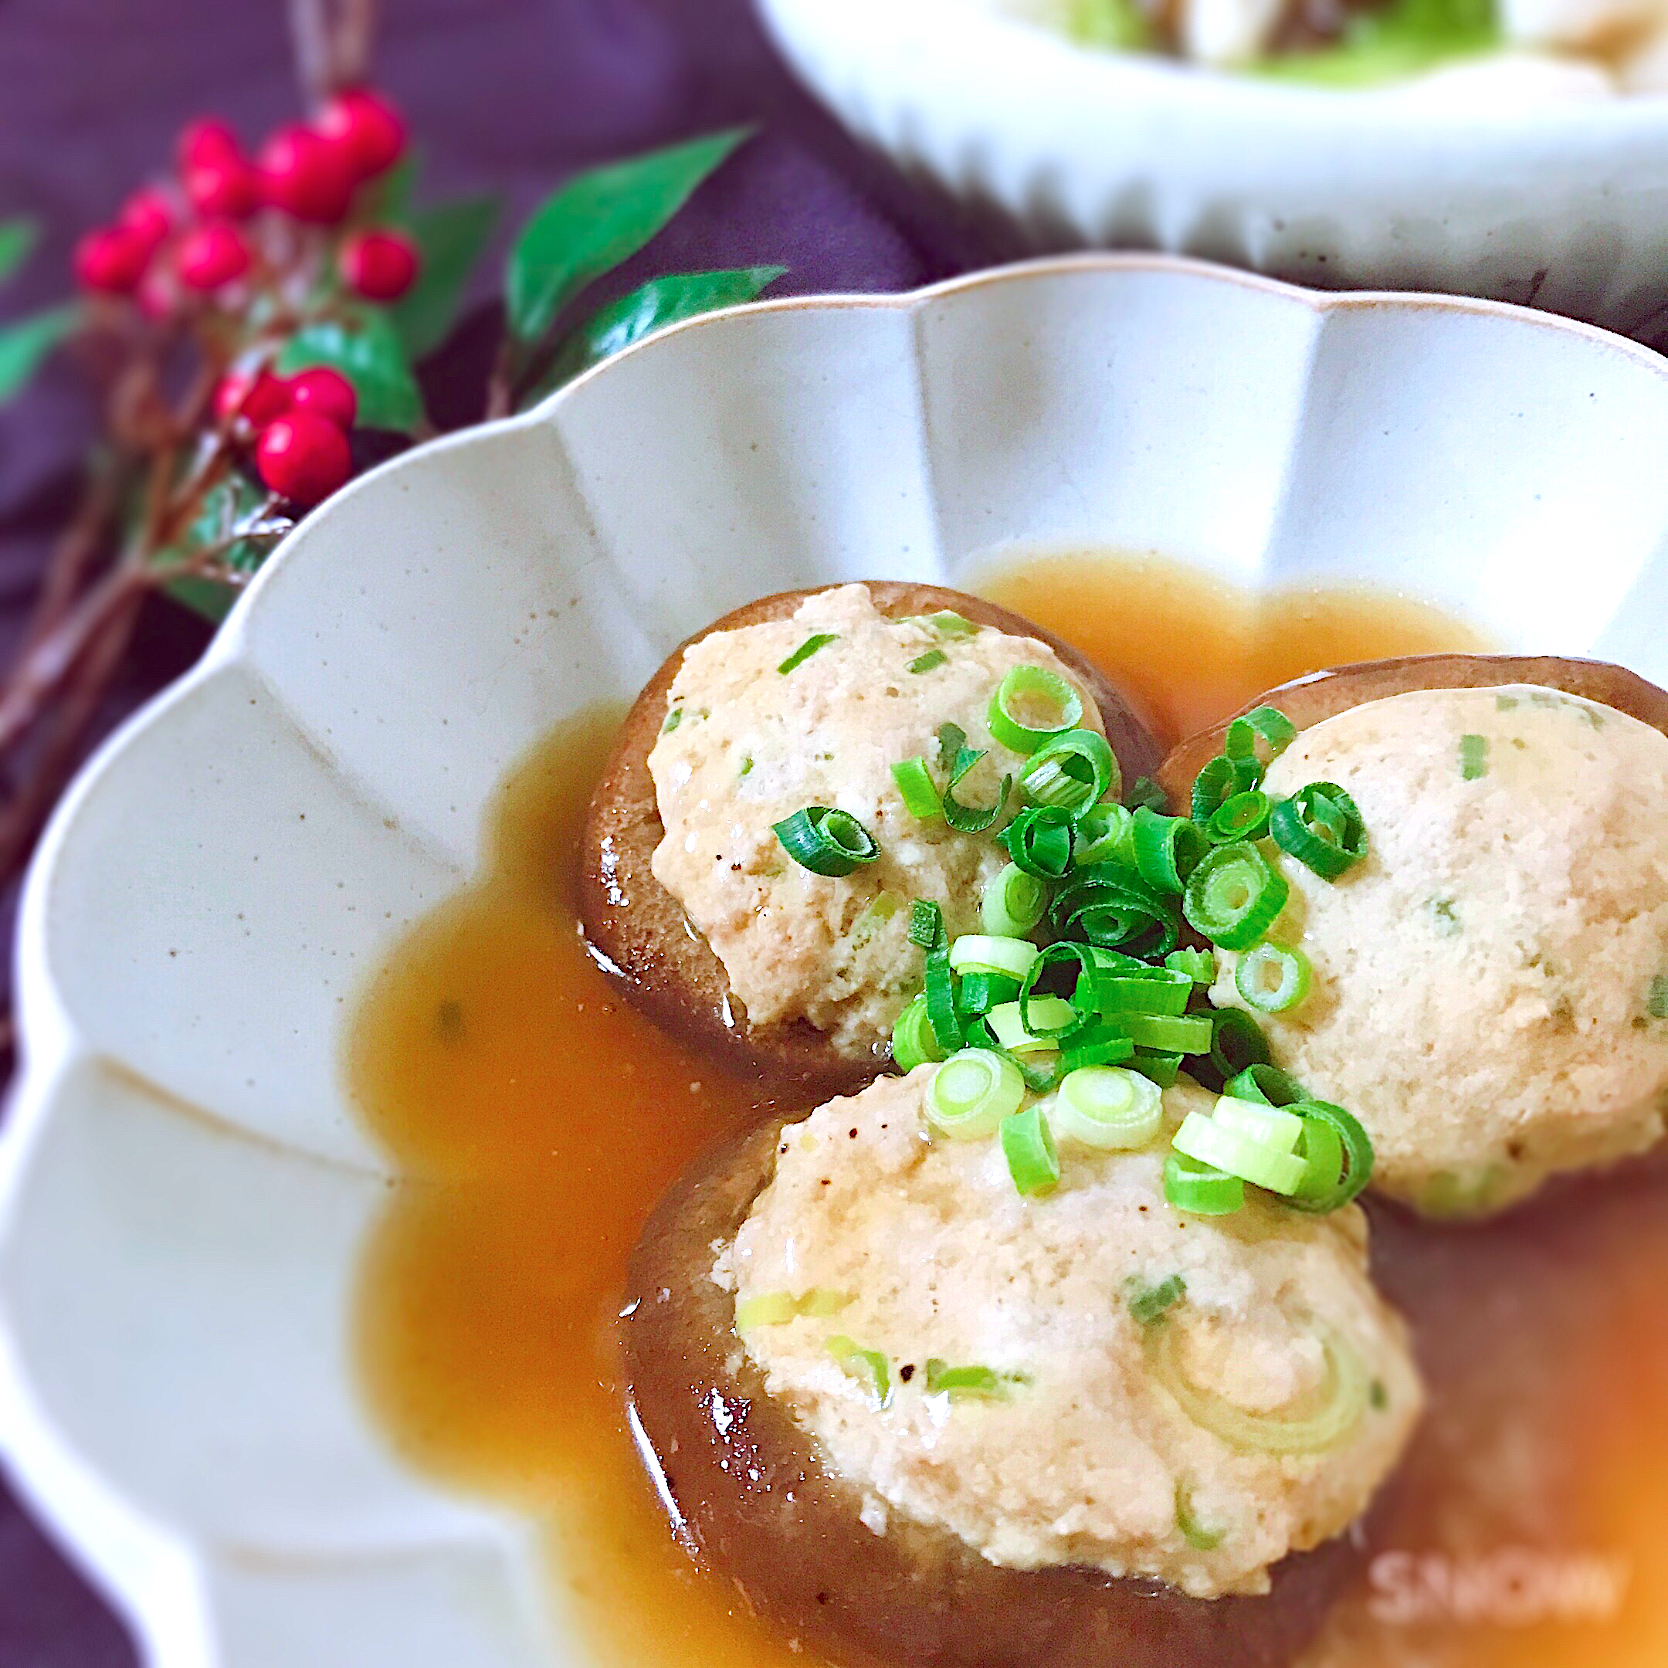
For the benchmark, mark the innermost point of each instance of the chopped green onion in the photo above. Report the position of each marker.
(951, 739)
(1097, 1045)
(1141, 990)
(1198, 965)
(1327, 1186)
(1200, 1539)
(766, 1309)
(1167, 849)
(1012, 902)
(876, 913)
(1152, 1302)
(977, 952)
(926, 923)
(970, 819)
(1145, 791)
(821, 1301)
(1110, 905)
(1206, 1141)
(1029, 1149)
(1102, 833)
(948, 623)
(920, 797)
(808, 648)
(1236, 1042)
(941, 998)
(1039, 840)
(826, 841)
(673, 719)
(913, 1043)
(1656, 1002)
(1473, 752)
(1269, 1126)
(928, 661)
(1178, 1034)
(1234, 896)
(1032, 687)
(869, 1367)
(1264, 1082)
(1321, 827)
(746, 765)
(1243, 816)
(1261, 735)
(1083, 1007)
(1073, 771)
(972, 1092)
(978, 993)
(943, 1379)
(1052, 1013)
(1218, 782)
(1158, 1064)
(1272, 978)
(1322, 1420)
(1108, 1108)
(1201, 1189)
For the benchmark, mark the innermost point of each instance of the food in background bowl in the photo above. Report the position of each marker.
(1487, 988)
(790, 782)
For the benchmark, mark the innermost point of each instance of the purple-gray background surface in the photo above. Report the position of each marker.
(507, 95)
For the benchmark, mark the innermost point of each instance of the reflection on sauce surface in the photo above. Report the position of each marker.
(539, 1118)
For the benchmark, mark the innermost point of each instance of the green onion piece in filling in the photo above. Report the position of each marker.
(1473, 752)
(1167, 849)
(1272, 978)
(1012, 902)
(1234, 896)
(869, 1367)
(1197, 1537)
(1236, 1042)
(1032, 692)
(1073, 771)
(673, 719)
(943, 1379)
(1029, 1149)
(1320, 1420)
(913, 1043)
(821, 1301)
(1198, 965)
(1321, 827)
(826, 841)
(977, 952)
(1218, 782)
(1108, 1108)
(972, 1092)
(1269, 1126)
(1201, 1189)
(929, 661)
(948, 623)
(1242, 816)
(1102, 833)
(1205, 1141)
(1152, 1302)
(808, 648)
(920, 797)
(1145, 791)
(971, 819)
(978, 993)
(1007, 1024)
(1111, 906)
(1261, 735)
(1327, 1186)
(1179, 1034)
(1159, 1064)
(926, 923)
(766, 1309)
(1039, 840)
(1264, 1082)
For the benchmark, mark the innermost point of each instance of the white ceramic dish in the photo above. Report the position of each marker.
(1562, 202)
(183, 1188)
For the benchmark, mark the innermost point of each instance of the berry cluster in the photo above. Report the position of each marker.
(298, 426)
(231, 219)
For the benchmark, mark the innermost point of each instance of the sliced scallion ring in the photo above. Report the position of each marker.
(1218, 782)
(971, 819)
(913, 1042)
(1236, 1042)
(826, 841)
(1102, 1044)
(1201, 1189)
(977, 952)
(915, 785)
(1032, 705)
(972, 1092)
(1142, 990)
(1269, 1126)
(1205, 1141)
(1102, 833)
(1357, 1150)
(1198, 965)
(1007, 1024)
(1262, 734)
(1111, 906)
(1028, 1146)
(1012, 902)
(1108, 1108)
(1072, 771)
(1266, 1083)
(1167, 849)
(1272, 978)
(1242, 816)
(1321, 826)
(1159, 1064)
(1172, 1033)
(1039, 840)
(1234, 896)
(978, 993)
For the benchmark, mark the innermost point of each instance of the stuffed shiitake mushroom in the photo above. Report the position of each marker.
(1487, 982)
(933, 1389)
(790, 782)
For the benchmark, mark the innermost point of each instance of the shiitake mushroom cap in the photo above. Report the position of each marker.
(640, 930)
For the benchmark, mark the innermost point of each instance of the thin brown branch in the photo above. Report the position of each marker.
(311, 40)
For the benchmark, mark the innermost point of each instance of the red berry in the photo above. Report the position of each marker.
(205, 140)
(225, 186)
(379, 265)
(305, 175)
(367, 128)
(257, 395)
(325, 393)
(112, 259)
(211, 255)
(303, 456)
(149, 213)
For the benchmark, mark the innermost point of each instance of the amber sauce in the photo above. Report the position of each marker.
(537, 1118)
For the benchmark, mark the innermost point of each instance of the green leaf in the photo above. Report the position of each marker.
(235, 501)
(450, 239)
(17, 238)
(367, 350)
(203, 596)
(661, 301)
(389, 196)
(596, 221)
(26, 343)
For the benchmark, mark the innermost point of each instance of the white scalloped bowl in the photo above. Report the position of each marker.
(1560, 201)
(183, 1188)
